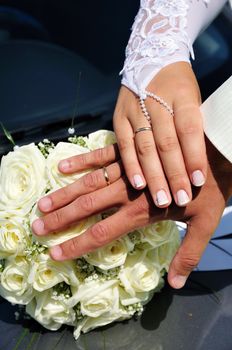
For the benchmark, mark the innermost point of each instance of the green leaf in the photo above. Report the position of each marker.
(7, 134)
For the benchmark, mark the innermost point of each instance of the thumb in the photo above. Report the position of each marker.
(190, 252)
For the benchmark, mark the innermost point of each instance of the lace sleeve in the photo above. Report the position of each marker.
(163, 32)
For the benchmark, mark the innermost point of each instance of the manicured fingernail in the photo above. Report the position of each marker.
(138, 181)
(179, 281)
(38, 227)
(162, 198)
(198, 178)
(182, 197)
(56, 252)
(64, 165)
(45, 204)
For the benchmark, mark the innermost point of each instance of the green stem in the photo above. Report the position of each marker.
(59, 340)
(32, 341)
(104, 340)
(23, 335)
(85, 342)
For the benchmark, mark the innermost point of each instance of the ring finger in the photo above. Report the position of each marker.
(150, 162)
(88, 183)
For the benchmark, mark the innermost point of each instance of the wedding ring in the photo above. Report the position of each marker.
(146, 128)
(106, 176)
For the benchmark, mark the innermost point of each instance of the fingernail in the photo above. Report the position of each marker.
(138, 181)
(179, 281)
(161, 198)
(56, 252)
(198, 178)
(64, 165)
(45, 204)
(182, 197)
(38, 227)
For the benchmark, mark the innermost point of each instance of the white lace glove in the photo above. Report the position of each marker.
(163, 32)
(160, 137)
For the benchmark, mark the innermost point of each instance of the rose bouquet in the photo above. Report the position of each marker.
(109, 284)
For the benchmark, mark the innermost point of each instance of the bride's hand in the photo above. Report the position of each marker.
(173, 154)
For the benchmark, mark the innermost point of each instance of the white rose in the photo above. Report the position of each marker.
(13, 237)
(96, 297)
(50, 313)
(157, 234)
(139, 274)
(14, 285)
(56, 238)
(47, 273)
(89, 323)
(112, 255)
(62, 151)
(22, 179)
(100, 139)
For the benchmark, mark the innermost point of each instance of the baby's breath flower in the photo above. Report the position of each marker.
(61, 292)
(78, 140)
(31, 251)
(135, 309)
(135, 237)
(46, 147)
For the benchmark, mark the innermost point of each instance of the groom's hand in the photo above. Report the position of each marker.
(135, 209)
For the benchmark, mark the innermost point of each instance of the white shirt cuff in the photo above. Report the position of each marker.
(217, 118)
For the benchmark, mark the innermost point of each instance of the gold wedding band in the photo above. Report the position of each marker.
(146, 128)
(106, 176)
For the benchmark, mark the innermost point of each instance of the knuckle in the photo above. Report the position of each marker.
(71, 248)
(86, 203)
(139, 209)
(56, 218)
(179, 179)
(167, 144)
(145, 148)
(91, 180)
(190, 262)
(188, 128)
(155, 178)
(99, 234)
(64, 193)
(82, 160)
(123, 144)
(101, 155)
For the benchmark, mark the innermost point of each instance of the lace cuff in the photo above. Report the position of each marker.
(163, 32)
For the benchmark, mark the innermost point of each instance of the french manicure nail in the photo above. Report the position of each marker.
(161, 198)
(138, 181)
(45, 204)
(182, 197)
(179, 281)
(64, 165)
(38, 227)
(198, 178)
(56, 252)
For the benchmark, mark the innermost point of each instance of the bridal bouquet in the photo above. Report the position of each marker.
(109, 284)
